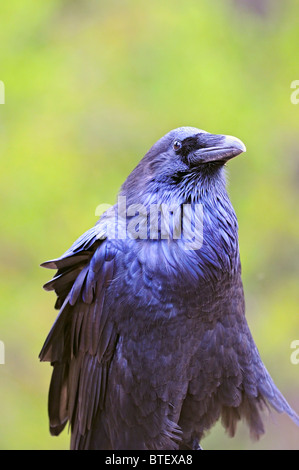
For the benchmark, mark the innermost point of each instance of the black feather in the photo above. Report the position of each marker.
(151, 345)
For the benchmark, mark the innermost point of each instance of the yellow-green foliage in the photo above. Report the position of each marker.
(89, 86)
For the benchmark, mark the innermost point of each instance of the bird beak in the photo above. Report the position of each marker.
(218, 148)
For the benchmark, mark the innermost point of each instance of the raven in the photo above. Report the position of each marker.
(151, 345)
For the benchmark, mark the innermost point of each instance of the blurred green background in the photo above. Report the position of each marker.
(89, 86)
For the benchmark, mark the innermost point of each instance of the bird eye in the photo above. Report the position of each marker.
(177, 145)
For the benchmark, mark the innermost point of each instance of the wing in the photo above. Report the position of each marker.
(82, 341)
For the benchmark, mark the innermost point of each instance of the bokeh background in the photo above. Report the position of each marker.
(89, 86)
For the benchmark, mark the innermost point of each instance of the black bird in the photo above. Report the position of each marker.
(151, 345)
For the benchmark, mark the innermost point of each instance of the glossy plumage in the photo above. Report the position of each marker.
(151, 345)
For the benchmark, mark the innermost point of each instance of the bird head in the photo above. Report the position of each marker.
(188, 148)
(184, 156)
